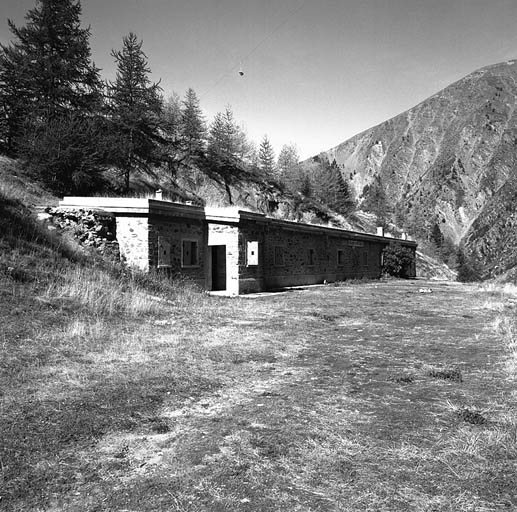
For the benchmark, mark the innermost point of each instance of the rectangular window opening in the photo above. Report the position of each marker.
(310, 256)
(340, 257)
(279, 256)
(189, 253)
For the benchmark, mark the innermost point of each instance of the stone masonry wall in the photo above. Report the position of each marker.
(251, 277)
(133, 239)
(173, 231)
(92, 228)
(299, 257)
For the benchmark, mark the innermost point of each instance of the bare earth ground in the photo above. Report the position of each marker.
(380, 396)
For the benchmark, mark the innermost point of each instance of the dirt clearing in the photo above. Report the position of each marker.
(380, 396)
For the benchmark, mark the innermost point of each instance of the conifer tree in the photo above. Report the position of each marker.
(135, 108)
(266, 157)
(173, 148)
(288, 159)
(193, 124)
(223, 139)
(48, 66)
(50, 92)
(377, 202)
(339, 195)
(171, 117)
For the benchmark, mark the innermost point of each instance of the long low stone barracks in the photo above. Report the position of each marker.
(237, 251)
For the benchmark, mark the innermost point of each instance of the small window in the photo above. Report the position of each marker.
(189, 253)
(310, 256)
(164, 252)
(365, 258)
(340, 257)
(252, 253)
(279, 256)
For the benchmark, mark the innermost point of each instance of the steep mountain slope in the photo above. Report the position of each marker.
(447, 163)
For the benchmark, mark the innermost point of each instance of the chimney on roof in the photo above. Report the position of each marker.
(404, 236)
(380, 231)
(159, 194)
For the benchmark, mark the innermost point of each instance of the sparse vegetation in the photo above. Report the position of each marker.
(127, 392)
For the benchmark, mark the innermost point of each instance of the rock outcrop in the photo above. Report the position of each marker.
(92, 228)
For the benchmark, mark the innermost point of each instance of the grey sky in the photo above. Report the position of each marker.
(315, 72)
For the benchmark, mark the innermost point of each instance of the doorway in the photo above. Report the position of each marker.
(218, 267)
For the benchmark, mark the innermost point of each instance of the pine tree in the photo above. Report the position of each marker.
(225, 149)
(171, 117)
(223, 139)
(377, 202)
(135, 108)
(339, 196)
(266, 158)
(171, 127)
(48, 67)
(193, 124)
(49, 85)
(288, 159)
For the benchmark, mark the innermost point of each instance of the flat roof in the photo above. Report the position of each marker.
(224, 215)
(131, 206)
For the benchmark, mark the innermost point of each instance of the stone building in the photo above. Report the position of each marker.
(235, 251)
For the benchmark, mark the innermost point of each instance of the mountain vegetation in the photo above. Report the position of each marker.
(445, 171)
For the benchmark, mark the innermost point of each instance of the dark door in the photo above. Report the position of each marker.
(219, 267)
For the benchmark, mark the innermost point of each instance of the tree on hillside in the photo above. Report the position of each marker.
(49, 66)
(246, 149)
(329, 187)
(340, 196)
(224, 136)
(376, 201)
(135, 108)
(171, 127)
(47, 80)
(288, 160)
(225, 149)
(266, 158)
(171, 116)
(193, 124)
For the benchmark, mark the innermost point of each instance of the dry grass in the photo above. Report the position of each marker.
(295, 401)
(122, 392)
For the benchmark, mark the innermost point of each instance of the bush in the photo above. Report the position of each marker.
(397, 260)
(468, 269)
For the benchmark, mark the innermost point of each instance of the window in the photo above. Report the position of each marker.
(252, 253)
(279, 256)
(164, 252)
(340, 257)
(310, 256)
(189, 253)
(365, 258)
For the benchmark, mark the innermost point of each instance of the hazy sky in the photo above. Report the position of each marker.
(316, 72)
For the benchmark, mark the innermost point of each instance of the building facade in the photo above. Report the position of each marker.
(235, 251)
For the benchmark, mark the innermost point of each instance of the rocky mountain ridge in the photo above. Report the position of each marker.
(446, 166)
